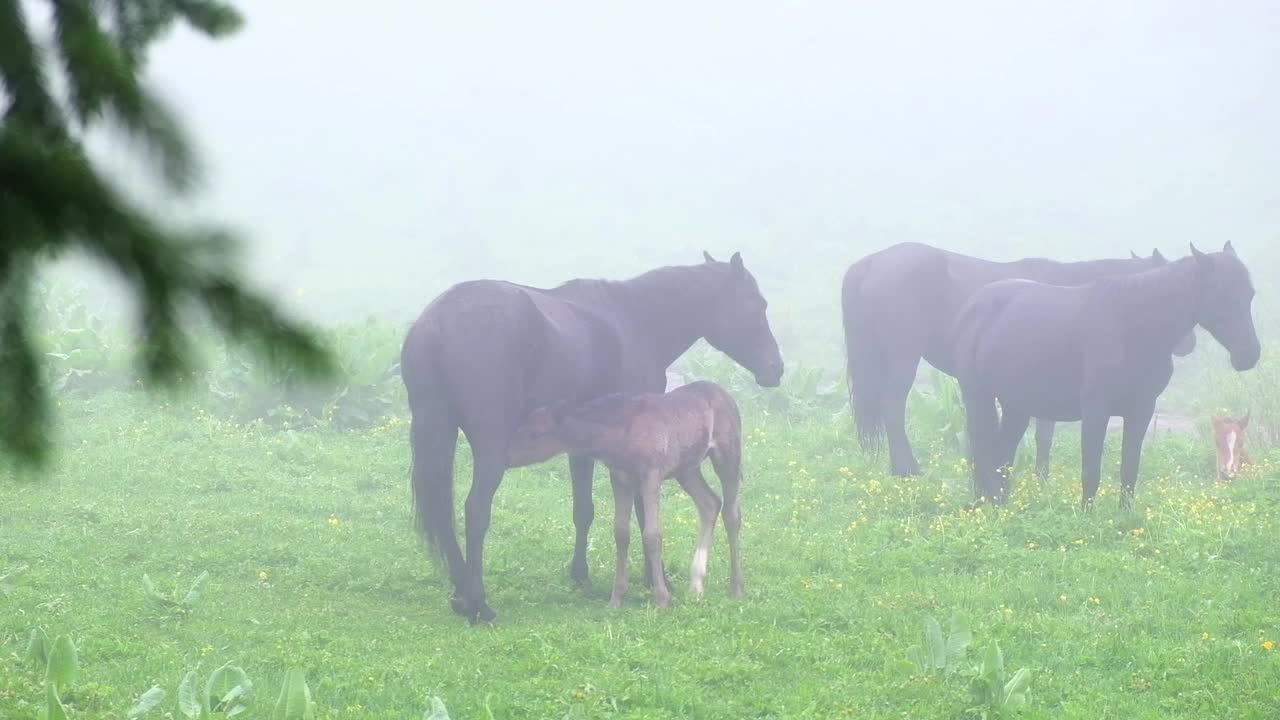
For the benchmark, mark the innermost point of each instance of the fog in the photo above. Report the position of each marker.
(375, 157)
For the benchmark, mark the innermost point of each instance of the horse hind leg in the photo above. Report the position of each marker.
(709, 506)
(489, 466)
(728, 467)
(900, 375)
(1013, 426)
(434, 442)
(983, 425)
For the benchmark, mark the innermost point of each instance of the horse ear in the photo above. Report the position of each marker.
(735, 262)
(707, 256)
(1155, 255)
(1134, 255)
(1244, 421)
(1228, 249)
(1201, 259)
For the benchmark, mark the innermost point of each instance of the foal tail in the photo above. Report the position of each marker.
(863, 365)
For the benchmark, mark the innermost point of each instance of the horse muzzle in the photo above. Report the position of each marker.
(1246, 360)
(771, 375)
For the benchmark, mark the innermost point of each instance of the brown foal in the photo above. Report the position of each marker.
(645, 438)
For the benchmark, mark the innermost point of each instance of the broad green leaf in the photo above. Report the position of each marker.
(152, 595)
(193, 595)
(148, 702)
(38, 650)
(63, 664)
(957, 642)
(901, 668)
(228, 690)
(294, 702)
(188, 703)
(53, 709)
(438, 711)
(917, 656)
(1015, 689)
(936, 644)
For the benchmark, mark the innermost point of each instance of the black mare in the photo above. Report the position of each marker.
(1089, 353)
(485, 353)
(899, 305)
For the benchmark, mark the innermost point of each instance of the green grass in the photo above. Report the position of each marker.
(1158, 613)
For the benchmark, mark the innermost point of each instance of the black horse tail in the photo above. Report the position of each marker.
(863, 365)
(433, 438)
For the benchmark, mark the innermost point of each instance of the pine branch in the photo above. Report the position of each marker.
(103, 80)
(23, 73)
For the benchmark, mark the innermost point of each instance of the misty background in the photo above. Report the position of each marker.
(373, 157)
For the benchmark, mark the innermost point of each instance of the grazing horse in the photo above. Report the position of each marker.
(485, 353)
(899, 305)
(1229, 436)
(643, 439)
(1088, 353)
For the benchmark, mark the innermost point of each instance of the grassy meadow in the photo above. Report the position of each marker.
(295, 501)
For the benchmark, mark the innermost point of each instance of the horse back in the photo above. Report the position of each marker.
(495, 334)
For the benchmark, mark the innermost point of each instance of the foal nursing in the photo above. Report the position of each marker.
(644, 439)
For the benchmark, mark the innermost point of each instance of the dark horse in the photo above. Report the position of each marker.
(1089, 353)
(899, 305)
(485, 353)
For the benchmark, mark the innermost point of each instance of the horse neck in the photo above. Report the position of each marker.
(668, 309)
(1160, 306)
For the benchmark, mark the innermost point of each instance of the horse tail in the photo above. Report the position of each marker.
(863, 365)
(433, 439)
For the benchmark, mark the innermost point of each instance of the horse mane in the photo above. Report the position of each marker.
(1146, 279)
(1075, 271)
(676, 284)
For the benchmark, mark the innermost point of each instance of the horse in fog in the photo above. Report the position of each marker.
(1088, 353)
(898, 306)
(486, 353)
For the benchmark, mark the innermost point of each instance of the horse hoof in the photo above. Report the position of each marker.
(614, 604)
(485, 615)
(460, 605)
(737, 593)
(580, 576)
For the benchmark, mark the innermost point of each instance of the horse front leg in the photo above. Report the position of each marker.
(1044, 447)
(1093, 435)
(624, 496)
(648, 566)
(1135, 431)
(582, 475)
(651, 498)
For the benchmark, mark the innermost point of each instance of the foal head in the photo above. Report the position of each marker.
(1226, 302)
(595, 426)
(1229, 436)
